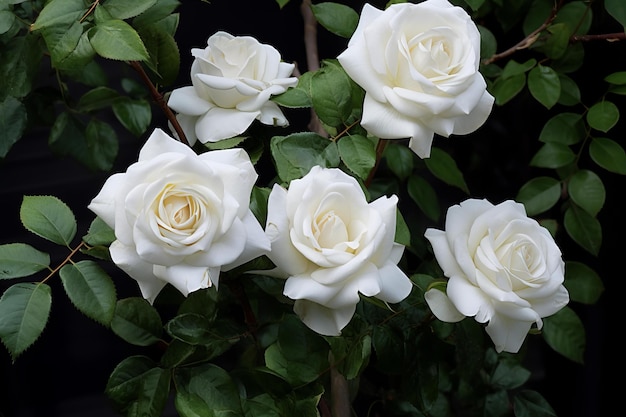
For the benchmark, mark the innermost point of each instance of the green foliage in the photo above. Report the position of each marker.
(137, 322)
(21, 260)
(337, 18)
(49, 218)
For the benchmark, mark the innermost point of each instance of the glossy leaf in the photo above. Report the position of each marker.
(13, 119)
(49, 218)
(603, 116)
(206, 390)
(62, 41)
(505, 89)
(583, 228)
(509, 374)
(514, 68)
(7, 18)
(570, 93)
(19, 260)
(425, 196)
(123, 9)
(296, 154)
(400, 159)
(564, 128)
(539, 195)
(102, 144)
(24, 311)
(60, 12)
(617, 9)
(616, 78)
(97, 99)
(116, 39)
(587, 190)
(565, 333)
(544, 85)
(558, 41)
(90, 289)
(137, 322)
(134, 115)
(488, 42)
(99, 233)
(577, 15)
(528, 403)
(358, 153)
(553, 155)
(609, 154)
(138, 387)
(336, 18)
(164, 54)
(583, 283)
(442, 166)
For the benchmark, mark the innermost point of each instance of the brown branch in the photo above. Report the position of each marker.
(609, 37)
(158, 98)
(380, 148)
(528, 40)
(312, 56)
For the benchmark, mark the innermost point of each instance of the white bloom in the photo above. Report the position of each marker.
(333, 245)
(418, 64)
(232, 80)
(504, 269)
(179, 217)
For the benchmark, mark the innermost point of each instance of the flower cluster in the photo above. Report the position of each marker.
(181, 217)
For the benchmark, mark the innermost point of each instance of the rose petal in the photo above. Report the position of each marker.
(219, 123)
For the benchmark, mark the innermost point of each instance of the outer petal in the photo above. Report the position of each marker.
(395, 285)
(186, 278)
(442, 307)
(127, 260)
(104, 203)
(507, 335)
(219, 123)
(257, 243)
(322, 320)
(185, 100)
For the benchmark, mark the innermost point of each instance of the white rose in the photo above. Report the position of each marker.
(418, 64)
(233, 79)
(179, 217)
(504, 269)
(331, 245)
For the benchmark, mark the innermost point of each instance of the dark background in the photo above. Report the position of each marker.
(64, 373)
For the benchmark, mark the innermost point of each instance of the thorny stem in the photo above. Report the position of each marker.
(67, 260)
(609, 37)
(158, 98)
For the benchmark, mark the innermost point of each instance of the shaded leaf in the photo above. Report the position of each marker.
(608, 154)
(565, 333)
(553, 155)
(13, 117)
(21, 260)
(425, 196)
(443, 166)
(539, 194)
(134, 115)
(49, 218)
(296, 154)
(544, 85)
(59, 12)
(603, 116)
(583, 283)
(564, 128)
(528, 403)
(116, 39)
(137, 322)
(583, 228)
(587, 190)
(358, 153)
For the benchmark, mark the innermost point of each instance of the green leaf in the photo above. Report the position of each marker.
(19, 260)
(134, 115)
(358, 153)
(7, 18)
(586, 190)
(583, 283)
(513, 68)
(617, 9)
(337, 99)
(137, 322)
(509, 374)
(571, 60)
(49, 218)
(124, 9)
(191, 328)
(577, 15)
(539, 194)
(137, 387)
(544, 85)
(296, 154)
(558, 41)
(603, 116)
(99, 233)
(298, 96)
(116, 39)
(616, 78)
(206, 390)
(337, 18)
(425, 196)
(97, 98)
(529, 403)
(13, 117)
(20, 64)
(608, 154)
(62, 41)
(400, 159)
(102, 145)
(565, 333)
(553, 155)
(162, 10)
(488, 42)
(564, 128)
(24, 312)
(505, 89)
(90, 289)
(583, 228)
(443, 166)
(570, 93)
(164, 59)
(59, 12)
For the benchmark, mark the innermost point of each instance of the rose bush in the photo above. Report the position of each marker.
(418, 64)
(331, 245)
(179, 217)
(504, 269)
(232, 79)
